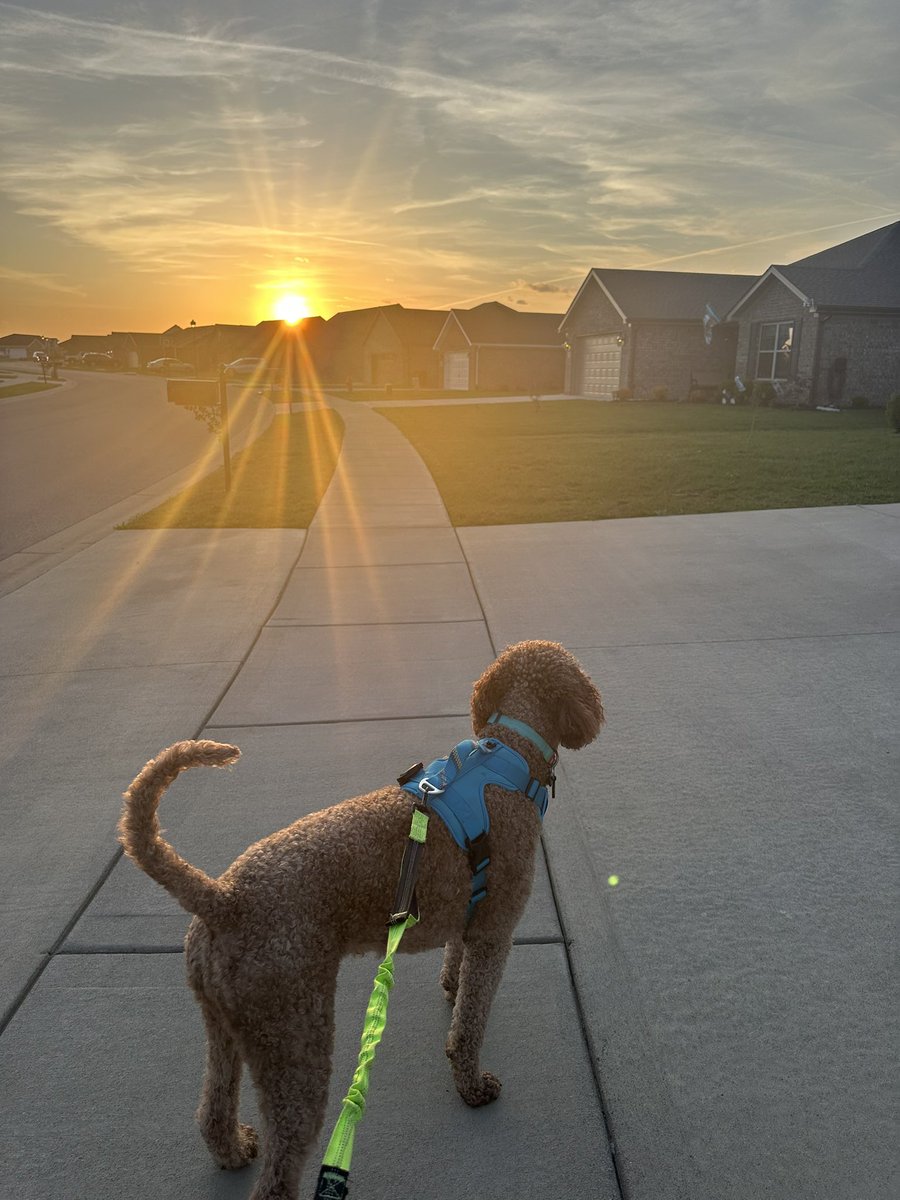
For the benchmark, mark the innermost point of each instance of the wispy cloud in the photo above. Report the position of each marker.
(493, 142)
(44, 283)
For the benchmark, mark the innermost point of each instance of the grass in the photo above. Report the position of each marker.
(23, 389)
(410, 394)
(579, 460)
(277, 481)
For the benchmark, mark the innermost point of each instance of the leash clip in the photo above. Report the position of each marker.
(427, 788)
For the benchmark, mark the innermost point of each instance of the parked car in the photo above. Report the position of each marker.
(243, 368)
(96, 360)
(170, 366)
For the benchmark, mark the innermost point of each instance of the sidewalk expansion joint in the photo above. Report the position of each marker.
(80, 910)
(299, 623)
(124, 948)
(340, 721)
(739, 641)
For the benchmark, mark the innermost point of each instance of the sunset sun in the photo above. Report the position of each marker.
(291, 308)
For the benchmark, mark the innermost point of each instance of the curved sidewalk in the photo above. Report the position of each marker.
(731, 1016)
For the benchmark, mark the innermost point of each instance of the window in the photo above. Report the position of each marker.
(776, 341)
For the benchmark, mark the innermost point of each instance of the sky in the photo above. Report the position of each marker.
(163, 162)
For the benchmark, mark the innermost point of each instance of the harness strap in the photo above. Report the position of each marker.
(454, 787)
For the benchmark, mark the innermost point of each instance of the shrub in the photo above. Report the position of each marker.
(859, 402)
(893, 412)
(623, 394)
(761, 393)
(659, 394)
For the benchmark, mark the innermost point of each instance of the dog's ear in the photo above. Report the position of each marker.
(488, 692)
(580, 716)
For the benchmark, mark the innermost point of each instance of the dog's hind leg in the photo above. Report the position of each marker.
(453, 954)
(288, 1051)
(231, 1144)
(480, 972)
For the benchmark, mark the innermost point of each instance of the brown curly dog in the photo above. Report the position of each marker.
(268, 936)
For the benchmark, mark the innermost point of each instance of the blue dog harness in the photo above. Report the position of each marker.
(453, 787)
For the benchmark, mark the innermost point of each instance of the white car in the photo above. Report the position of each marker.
(170, 366)
(243, 368)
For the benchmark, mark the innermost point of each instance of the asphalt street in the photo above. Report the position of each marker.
(75, 450)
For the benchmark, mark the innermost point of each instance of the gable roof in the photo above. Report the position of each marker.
(11, 340)
(496, 324)
(414, 325)
(858, 252)
(665, 295)
(861, 273)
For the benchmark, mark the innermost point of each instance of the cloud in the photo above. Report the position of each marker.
(34, 279)
(486, 142)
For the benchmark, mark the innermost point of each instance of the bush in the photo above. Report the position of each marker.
(761, 393)
(893, 412)
(659, 394)
(623, 394)
(859, 402)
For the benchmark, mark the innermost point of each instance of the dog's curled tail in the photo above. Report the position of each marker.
(139, 830)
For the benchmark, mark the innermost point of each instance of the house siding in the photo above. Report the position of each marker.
(593, 314)
(529, 370)
(775, 302)
(870, 346)
(669, 355)
(383, 355)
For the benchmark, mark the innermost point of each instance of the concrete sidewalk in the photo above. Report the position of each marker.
(723, 1012)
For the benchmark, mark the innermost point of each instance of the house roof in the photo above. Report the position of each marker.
(666, 295)
(20, 339)
(80, 342)
(415, 325)
(496, 324)
(861, 273)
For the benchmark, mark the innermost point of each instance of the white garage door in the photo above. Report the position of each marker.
(598, 366)
(456, 371)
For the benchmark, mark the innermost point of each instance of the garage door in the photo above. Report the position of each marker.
(456, 371)
(598, 365)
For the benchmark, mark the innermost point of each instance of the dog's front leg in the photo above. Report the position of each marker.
(479, 974)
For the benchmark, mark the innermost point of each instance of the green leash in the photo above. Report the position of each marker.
(335, 1173)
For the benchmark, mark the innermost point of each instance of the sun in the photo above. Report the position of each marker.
(291, 308)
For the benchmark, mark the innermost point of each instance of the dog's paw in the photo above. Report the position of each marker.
(485, 1091)
(244, 1150)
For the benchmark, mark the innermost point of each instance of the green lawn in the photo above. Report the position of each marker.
(400, 393)
(577, 460)
(277, 481)
(23, 389)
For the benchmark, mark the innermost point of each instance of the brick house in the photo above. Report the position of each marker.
(134, 350)
(82, 343)
(492, 347)
(640, 330)
(20, 345)
(399, 347)
(828, 324)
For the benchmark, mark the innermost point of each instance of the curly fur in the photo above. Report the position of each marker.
(268, 936)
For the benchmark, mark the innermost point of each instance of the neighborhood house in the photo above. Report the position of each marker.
(823, 330)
